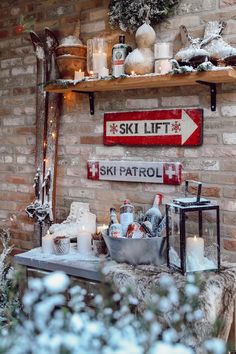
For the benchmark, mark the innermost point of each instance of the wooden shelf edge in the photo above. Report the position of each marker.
(226, 75)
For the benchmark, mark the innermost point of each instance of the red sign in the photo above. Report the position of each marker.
(178, 127)
(129, 171)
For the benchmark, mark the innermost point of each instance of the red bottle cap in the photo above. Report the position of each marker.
(159, 197)
(126, 201)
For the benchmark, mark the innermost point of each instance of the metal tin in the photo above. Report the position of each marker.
(136, 251)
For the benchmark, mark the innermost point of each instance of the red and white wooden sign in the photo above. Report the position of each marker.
(151, 172)
(178, 127)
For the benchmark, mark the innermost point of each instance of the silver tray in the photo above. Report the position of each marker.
(136, 251)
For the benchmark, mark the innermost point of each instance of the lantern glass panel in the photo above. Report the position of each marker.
(201, 240)
(174, 237)
(193, 234)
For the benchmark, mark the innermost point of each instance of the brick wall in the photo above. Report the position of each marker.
(81, 134)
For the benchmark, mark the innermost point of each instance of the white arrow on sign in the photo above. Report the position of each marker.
(188, 127)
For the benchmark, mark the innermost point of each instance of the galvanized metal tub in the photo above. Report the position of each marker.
(136, 251)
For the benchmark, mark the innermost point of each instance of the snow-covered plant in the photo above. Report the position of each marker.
(131, 14)
(61, 319)
(9, 304)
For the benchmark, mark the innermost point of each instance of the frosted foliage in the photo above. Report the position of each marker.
(58, 318)
(56, 282)
(131, 14)
(9, 304)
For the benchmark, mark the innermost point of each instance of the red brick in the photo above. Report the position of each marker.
(91, 139)
(229, 245)
(26, 130)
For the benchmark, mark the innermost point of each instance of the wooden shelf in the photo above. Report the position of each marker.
(210, 78)
(142, 82)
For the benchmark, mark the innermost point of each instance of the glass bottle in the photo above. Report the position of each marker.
(154, 214)
(113, 217)
(126, 215)
(119, 53)
(115, 229)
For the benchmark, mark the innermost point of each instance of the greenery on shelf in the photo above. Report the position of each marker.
(129, 15)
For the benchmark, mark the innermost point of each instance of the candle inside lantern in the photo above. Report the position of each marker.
(47, 243)
(79, 75)
(195, 247)
(104, 72)
(99, 61)
(162, 66)
(84, 241)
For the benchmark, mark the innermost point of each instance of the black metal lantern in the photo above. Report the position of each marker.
(193, 233)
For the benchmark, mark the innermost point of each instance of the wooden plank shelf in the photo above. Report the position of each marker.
(210, 78)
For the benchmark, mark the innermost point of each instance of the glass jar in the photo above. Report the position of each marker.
(97, 56)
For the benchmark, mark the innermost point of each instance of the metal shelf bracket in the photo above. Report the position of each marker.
(213, 92)
(91, 100)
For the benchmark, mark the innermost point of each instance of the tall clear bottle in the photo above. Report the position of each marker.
(115, 229)
(119, 53)
(126, 215)
(154, 213)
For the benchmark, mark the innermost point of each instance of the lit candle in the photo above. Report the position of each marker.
(104, 72)
(101, 228)
(47, 243)
(79, 75)
(163, 66)
(195, 247)
(84, 241)
(132, 73)
(99, 61)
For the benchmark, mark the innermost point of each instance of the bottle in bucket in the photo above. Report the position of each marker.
(115, 229)
(153, 215)
(113, 217)
(126, 215)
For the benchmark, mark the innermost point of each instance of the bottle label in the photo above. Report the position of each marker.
(115, 230)
(118, 56)
(126, 218)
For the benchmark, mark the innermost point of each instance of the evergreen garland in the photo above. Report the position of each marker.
(131, 14)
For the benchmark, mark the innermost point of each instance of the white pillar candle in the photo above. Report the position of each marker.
(47, 243)
(79, 75)
(163, 51)
(99, 61)
(162, 66)
(103, 72)
(195, 247)
(84, 241)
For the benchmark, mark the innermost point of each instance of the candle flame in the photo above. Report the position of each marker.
(132, 72)
(91, 73)
(79, 70)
